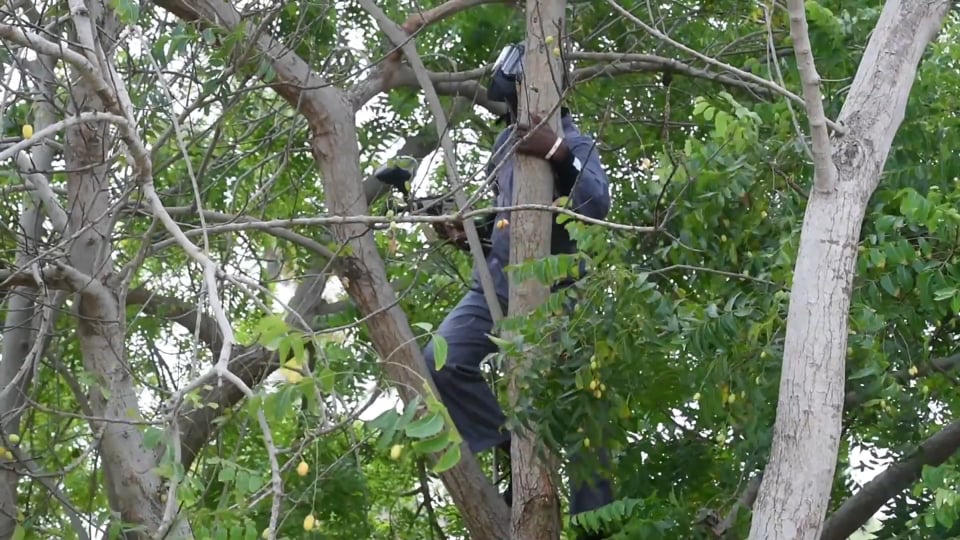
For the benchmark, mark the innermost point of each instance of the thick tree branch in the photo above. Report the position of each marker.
(56, 276)
(490, 513)
(421, 19)
(20, 328)
(466, 83)
(252, 366)
(825, 172)
(535, 502)
(859, 508)
(246, 223)
(183, 313)
(796, 488)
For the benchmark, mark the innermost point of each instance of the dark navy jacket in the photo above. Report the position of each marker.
(588, 190)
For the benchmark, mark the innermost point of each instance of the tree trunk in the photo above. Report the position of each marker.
(796, 486)
(21, 323)
(334, 148)
(535, 506)
(133, 485)
(19, 335)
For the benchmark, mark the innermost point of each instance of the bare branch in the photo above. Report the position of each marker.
(773, 87)
(825, 172)
(42, 192)
(47, 131)
(745, 500)
(421, 19)
(186, 314)
(244, 223)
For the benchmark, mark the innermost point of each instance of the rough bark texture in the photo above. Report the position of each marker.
(535, 503)
(334, 147)
(20, 330)
(366, 283)
(19, 336)
(129, 468)
(796, 485)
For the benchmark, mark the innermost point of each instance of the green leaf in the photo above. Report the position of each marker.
(127, 10)
(409, 412)
(722, 121)
(327, 379)
(439, 351)
(152, 437)
(943, 294)
(887, 285)
(432, 445)
(427, 426)
(449, 458)
(425, 326)
(866, 371)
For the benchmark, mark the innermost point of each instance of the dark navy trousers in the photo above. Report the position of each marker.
(470, 401)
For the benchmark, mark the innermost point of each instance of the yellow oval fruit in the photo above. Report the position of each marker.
(594, 384)
(396, 451)
(549, 40)
(913, 373)
(27, 131)
(696, 397)
(603, 387)
(723, 238)
(265, 534)
(556, 51)
(309, 522)
(586, 442)
(14, 438)
(731, 398)
(597, 393)
(303, 468)
(502, 224)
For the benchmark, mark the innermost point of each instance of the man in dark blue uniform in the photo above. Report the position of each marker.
(578, 175)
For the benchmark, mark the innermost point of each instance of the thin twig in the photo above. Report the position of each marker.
(716, 63)
(244, 223)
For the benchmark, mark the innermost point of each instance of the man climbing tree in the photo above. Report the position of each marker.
(579, 175)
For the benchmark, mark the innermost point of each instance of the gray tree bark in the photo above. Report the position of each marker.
(20, 330)
(535, 503)
(133, 486)
(796, 486)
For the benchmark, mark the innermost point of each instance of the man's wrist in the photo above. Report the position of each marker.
(560, 154)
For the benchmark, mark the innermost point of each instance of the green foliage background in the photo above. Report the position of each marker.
(683, 328)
